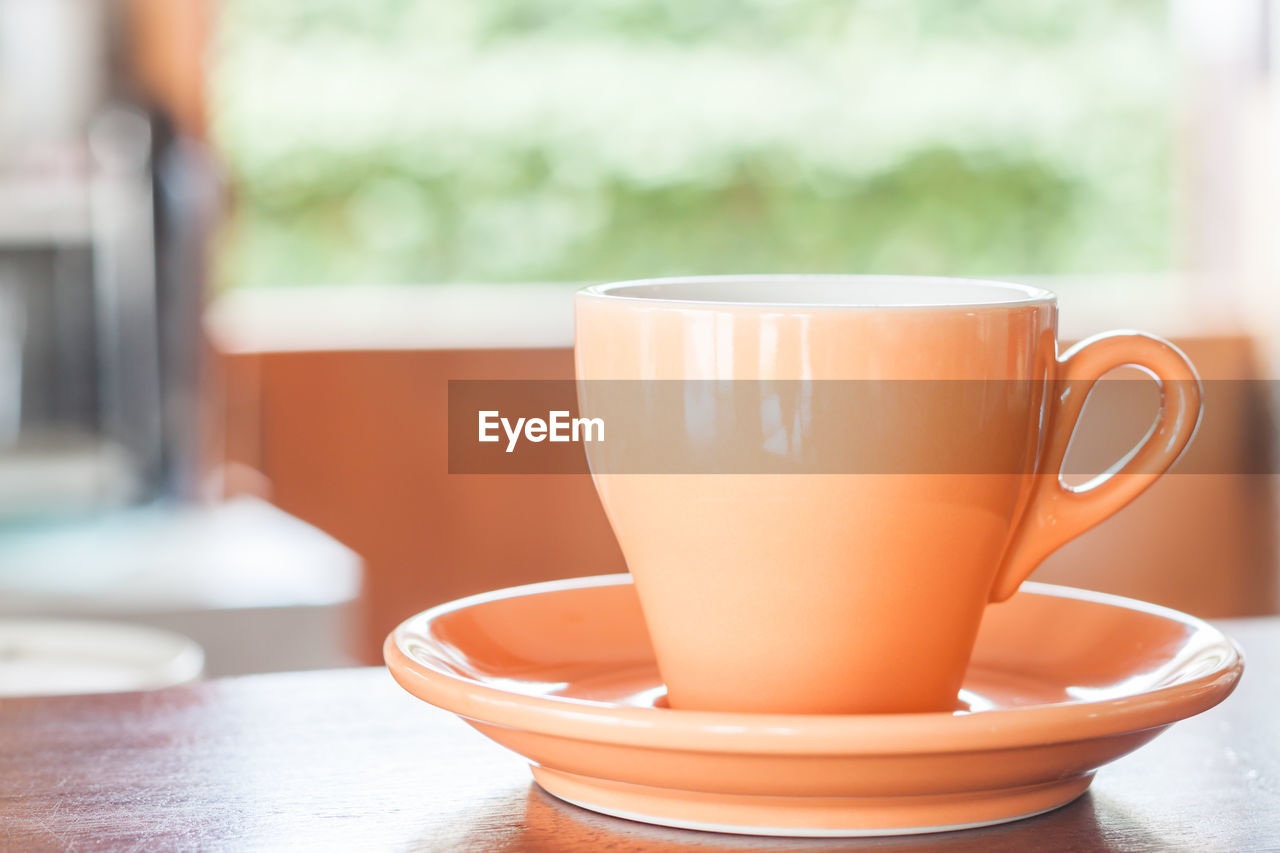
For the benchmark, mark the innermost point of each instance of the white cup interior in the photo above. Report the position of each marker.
(835, 291)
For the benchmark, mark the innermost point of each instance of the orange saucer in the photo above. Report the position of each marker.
(1062, 681)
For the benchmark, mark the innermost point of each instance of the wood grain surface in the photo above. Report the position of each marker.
(344, 760)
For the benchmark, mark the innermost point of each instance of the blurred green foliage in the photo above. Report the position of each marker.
(430, 140)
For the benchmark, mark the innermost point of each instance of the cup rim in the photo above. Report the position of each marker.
(1023, 295)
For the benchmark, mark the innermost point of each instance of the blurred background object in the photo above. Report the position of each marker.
(47, 657)
(12, 333)
(91, 229)
(377, 196)
(108, 198)
(258, 590)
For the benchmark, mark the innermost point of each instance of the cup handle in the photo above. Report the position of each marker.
(1056, 512)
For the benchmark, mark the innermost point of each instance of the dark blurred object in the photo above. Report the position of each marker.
(107, 197)
(104, 213)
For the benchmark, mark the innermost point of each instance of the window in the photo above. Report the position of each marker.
(419, 141)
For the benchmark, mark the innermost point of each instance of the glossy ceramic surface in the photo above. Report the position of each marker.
(769, 593)
(1062, 681)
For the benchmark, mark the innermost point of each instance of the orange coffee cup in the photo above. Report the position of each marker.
(842, 591)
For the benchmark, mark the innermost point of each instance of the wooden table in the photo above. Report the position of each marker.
(343, 759)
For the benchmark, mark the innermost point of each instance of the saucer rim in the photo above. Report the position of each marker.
(725, 732)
